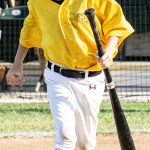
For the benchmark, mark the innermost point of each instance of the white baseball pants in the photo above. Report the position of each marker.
(74, 105)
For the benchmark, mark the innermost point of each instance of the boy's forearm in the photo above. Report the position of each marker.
(111, 44)
(107, 59)
(21, 53)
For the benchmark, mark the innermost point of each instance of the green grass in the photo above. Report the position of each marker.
(25, 117)
(37, 117)
(137, 116)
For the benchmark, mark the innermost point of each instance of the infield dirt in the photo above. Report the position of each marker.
(104, 142)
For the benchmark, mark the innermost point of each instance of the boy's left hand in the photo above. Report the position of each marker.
(106, 60)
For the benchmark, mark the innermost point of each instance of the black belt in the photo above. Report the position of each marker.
(72, 73)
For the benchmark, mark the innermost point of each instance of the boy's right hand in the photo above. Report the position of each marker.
(14, 76)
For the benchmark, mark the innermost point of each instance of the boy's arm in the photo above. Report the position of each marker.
(15, 74)
(107, 60)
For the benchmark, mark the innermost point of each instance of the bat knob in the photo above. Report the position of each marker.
(89, 12)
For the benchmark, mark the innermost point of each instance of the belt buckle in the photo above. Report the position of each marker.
(82, 73)
(60, 69)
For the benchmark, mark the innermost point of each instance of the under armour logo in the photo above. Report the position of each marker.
(92, 87)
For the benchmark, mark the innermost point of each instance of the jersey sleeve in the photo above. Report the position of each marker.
(30, 34)
(114, 22)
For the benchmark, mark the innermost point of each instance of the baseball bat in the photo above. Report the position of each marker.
(38, 85)
(123, 130)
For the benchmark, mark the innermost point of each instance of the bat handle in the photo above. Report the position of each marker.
(90, 13)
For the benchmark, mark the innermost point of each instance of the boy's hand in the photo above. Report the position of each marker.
(15, 75)
(106, 60)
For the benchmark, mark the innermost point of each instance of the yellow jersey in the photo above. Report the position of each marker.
(64, 33)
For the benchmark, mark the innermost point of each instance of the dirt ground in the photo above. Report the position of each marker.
(104, 142)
